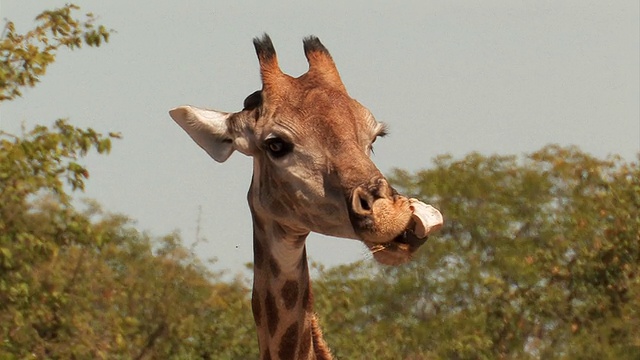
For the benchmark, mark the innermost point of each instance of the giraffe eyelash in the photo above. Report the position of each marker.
(383, 131)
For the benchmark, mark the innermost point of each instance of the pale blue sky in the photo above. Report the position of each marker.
(447, 76)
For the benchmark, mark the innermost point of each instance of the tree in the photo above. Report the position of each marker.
(85, 284)
(539, 258)
(25, 57)
(36, 218)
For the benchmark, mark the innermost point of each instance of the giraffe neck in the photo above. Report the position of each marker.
(281, 298)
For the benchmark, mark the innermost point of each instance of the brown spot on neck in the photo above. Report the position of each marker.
(274, 267)
(305, 343)
(272, 313)
(258, 252)
(290, 294)
(288, 343)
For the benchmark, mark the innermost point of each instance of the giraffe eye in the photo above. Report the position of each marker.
(277, 147)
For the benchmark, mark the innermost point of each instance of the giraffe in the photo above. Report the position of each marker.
(310, 143)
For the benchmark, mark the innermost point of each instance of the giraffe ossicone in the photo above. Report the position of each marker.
(310, 143)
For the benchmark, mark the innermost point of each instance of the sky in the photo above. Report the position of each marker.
(451, 77)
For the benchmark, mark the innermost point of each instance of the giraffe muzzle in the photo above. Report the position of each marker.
(381, 216)
(424, 219)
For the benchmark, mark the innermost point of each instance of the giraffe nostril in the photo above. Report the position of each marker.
(361, 201)
(364, 204)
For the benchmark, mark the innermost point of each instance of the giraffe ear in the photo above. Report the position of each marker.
(208, 128)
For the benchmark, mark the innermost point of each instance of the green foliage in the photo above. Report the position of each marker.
(24, 58)
(85, 284)
(33, 167)
(539, 258)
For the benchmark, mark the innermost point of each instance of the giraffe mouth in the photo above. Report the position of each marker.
(406, 241)
(397, 251)
(424, 220)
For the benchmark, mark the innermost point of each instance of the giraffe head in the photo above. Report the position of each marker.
(310, 143)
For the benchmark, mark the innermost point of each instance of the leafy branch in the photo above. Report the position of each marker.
(24, 58)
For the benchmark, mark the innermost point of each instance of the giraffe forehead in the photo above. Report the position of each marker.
(319, 115)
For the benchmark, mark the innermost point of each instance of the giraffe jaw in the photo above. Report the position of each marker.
(424, 220)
